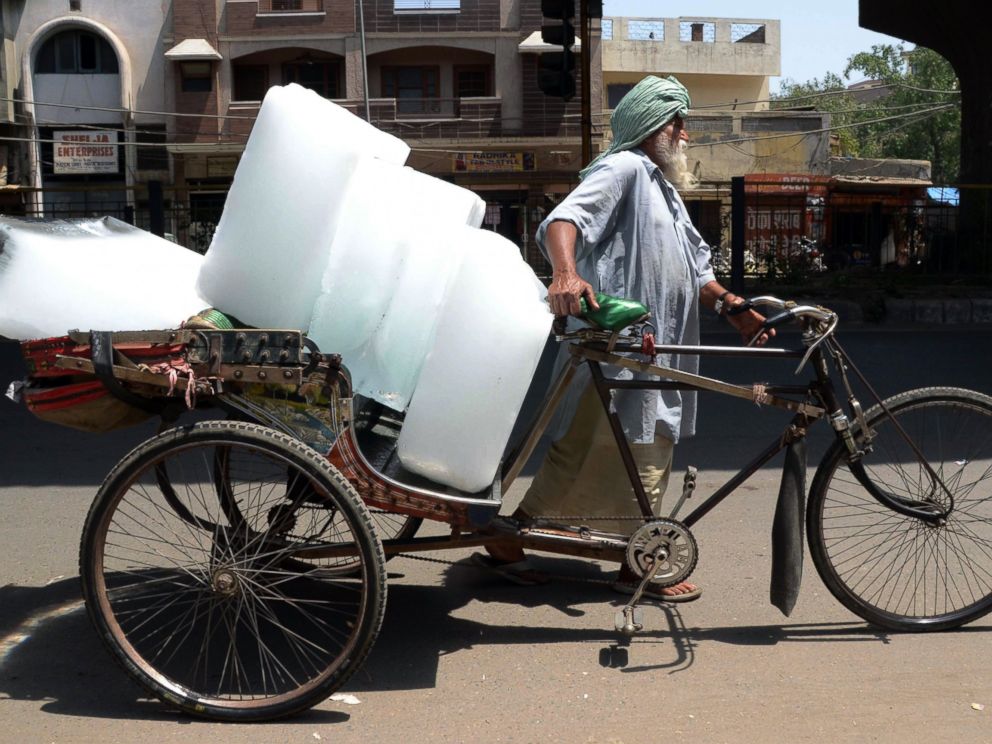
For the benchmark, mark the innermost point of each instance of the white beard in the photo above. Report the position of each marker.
(674, 163)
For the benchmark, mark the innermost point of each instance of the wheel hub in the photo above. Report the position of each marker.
(225, 581)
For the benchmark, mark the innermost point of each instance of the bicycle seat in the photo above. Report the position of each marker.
(614, 314)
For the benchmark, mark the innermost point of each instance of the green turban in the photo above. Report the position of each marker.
(649, 105)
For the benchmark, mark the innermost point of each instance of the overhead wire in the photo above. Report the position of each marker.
(729, 105)
(220, 138)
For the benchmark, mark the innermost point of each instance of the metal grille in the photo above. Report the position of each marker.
(420, 6)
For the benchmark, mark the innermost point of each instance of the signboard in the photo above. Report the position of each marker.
(774, 231)
(493, 162)
(84, 151)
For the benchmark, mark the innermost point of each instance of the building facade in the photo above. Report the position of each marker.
(172, 89)
(103, 98)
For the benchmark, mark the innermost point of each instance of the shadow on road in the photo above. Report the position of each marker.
(49, 651)
(423, 624)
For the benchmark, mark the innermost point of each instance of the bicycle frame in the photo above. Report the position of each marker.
(600, 351)
(597, 348)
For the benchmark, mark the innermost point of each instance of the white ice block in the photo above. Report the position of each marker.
(388, 273)
(273, 240)
(99, 274)
(489, 338)
(405, 337)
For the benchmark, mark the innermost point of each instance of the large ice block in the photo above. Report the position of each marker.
(404, 339)
(273, 240)
(489, 338)
(388, 273)
(99, 274)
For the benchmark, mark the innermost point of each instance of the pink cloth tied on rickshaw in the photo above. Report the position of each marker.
(173, 368)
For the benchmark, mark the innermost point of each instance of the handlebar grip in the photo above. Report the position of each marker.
(786, 316)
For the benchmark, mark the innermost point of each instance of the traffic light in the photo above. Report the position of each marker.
(556, 69)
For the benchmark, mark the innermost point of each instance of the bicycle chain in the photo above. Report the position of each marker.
(566, 519)
(558, 519)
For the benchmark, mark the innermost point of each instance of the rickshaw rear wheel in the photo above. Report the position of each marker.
(202, 571)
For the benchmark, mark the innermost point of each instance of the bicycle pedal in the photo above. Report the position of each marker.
(628, 620)
(688, 486)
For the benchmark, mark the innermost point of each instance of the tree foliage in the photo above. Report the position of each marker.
(914, 113)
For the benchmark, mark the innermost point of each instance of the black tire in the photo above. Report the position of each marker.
(896, 571)
(210, 607)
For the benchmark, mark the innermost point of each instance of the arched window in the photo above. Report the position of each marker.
(76, 53)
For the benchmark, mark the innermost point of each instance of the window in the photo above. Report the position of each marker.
(472, 81)
(412, 87)
(616, 91)
(76, 53)
(250, 82)
(151, 158)
(290, 6)
(697, 31)
(646, 30)
(197, 77)
(426, 6)
(606, 29)
(320, 76)
(747, 33)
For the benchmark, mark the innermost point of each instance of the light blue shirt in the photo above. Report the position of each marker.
(635, 240)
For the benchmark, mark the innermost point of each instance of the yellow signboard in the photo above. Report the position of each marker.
(493, 162)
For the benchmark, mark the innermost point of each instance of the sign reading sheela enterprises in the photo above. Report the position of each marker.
(86, 151)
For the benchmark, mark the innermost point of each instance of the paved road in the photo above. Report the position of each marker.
(463, 656)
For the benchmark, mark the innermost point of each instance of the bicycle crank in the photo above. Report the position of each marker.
(662, 552)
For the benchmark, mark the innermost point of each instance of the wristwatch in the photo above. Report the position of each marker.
(718, 305)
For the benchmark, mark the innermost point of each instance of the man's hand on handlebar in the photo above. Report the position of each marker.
(748, 324)
(566, 289)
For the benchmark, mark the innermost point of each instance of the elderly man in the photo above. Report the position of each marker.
(624, 231)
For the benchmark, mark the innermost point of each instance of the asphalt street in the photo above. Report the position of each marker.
(464, 656)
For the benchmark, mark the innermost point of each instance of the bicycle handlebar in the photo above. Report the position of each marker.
(790, 311)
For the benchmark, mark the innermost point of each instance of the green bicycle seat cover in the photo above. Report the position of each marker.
(614, 314)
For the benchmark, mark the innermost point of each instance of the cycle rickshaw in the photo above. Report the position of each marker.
(237, 571)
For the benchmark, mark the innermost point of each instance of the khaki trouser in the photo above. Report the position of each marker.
(583, 474)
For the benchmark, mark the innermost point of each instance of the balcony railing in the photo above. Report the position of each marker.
(270, 7)
(417, 118)
(428, 108)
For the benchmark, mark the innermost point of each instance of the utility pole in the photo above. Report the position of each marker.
(590, 9)
(585, 32)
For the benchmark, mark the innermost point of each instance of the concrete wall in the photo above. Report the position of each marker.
(740, 92)
(9, 21)
(727, 144)
(82, 90)
(718, 57)
(716, 72)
